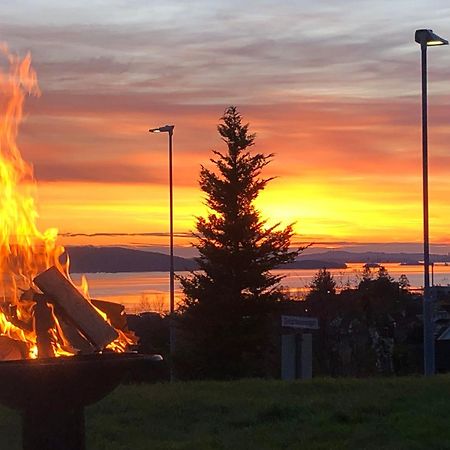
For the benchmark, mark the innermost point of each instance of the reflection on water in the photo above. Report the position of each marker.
(138, 291)
(147, 291)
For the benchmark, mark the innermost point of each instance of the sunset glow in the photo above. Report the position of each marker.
(342, 116)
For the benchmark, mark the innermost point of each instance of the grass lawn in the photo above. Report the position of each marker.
(386, 413)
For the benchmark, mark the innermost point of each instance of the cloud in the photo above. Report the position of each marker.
(68, 136)
(124, 234)
(97, 171)
(332, 88)
(263, 52)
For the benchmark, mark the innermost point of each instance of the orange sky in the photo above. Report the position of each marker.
(342, 115)
(352, 174)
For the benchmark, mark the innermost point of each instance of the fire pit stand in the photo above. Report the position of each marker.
(51, 430)
(51, 393)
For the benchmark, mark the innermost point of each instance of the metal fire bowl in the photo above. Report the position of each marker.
(67, 382)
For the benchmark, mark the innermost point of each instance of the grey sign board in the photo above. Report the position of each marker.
(308, 323)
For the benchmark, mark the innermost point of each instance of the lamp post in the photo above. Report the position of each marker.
(426, 38)
(169, 130)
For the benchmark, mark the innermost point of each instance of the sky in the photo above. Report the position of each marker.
(331, 87)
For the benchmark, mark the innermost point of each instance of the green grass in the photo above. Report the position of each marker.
(386, 413)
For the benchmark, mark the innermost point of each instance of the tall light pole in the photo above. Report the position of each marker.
(169, 130)
(426, 38)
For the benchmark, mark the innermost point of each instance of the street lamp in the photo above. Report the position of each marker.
(426, 38)
(169, 130)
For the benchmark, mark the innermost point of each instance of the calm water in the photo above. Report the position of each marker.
(146, 291)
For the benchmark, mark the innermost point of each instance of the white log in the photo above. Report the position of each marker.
(76, 308)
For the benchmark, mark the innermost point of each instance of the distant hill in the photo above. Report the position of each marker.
(89, 259)
(371, 257)
(314, 264)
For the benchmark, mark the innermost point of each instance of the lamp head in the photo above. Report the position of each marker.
(427, 38)
(163, 129)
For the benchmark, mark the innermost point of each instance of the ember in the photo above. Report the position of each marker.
(42, 313)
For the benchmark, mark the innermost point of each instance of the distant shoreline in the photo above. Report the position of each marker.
(90, 259)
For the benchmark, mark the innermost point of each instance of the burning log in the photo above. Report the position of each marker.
(10, 312)
(75, 338)
(115, 313)
(11, 349)
(71, 339)
(76, 308)
(43, 323)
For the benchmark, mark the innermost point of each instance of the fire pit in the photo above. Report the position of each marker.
(50, 388)
(59, 350)
(51, 393)
(55, 383)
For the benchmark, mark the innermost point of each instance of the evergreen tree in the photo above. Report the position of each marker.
(383, 274)
(227, 304)
(403, 282)
(322, 286)
(321, 303)
(367, 274)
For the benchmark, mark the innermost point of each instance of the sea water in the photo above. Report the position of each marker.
(149, 291)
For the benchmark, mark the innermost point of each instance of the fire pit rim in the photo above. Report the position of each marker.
(80, 380)
(105, 357)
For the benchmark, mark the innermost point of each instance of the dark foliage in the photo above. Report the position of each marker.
(152, 332)
(369, 330)
(322, 286)
(227, 305)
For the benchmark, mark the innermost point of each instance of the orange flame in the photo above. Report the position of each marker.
(24, 250)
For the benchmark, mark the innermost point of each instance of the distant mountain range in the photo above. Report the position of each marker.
(314, 263)
(373, 257)
(90, 259)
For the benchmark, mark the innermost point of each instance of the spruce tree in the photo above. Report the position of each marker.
(225, 318)
(322, 286)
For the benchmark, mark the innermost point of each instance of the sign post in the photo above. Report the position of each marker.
(296, 347)
(306, 323)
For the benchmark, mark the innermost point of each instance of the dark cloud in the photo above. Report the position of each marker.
(213, 52)
(153, 234)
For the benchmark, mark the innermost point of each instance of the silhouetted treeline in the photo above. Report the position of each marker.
(372, 329)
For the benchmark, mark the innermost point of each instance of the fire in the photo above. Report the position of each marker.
(25, 251)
